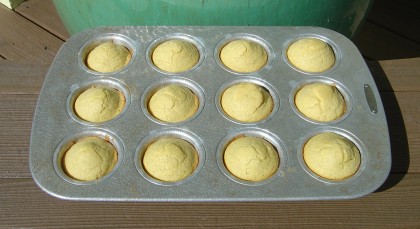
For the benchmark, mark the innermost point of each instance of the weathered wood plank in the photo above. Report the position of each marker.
(377, 43)
(25, 205)
(22, 77)
(410, 4)
(16, 117)
(396, 75)
(25, 41)
(44, 14)
(396, 17)
(402, 117)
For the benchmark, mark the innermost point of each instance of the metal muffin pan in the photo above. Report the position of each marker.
(56, 127)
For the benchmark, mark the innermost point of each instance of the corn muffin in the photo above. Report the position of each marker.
(311, 55)
(320, 102)
(99, 104)
(251, 158)
(247, 102)
(170, 159)
(175, 56)
(243, 56)
(331, 156)
(90, 159)
(173, 103)
(108, 57)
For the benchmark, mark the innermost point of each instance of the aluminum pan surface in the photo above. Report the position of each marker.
(52, 123)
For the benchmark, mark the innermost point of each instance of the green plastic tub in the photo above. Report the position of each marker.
(343, 16)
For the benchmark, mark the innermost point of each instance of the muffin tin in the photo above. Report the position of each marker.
(56, 127)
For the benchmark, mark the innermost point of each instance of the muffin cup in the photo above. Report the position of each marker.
(152, 89)
(69, 141)
(176, 36)
(265, 85)
(164, 133)
(252, 132)
(244, 36)
(324, 80)
(344, 133)
(103, 82)
(96, 41)
(334, 47)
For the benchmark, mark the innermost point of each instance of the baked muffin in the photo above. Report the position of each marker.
(311, 55)
(247, 102)
(89, 159)
(108, 57)
(173, 103)
(251, 158)
(320, 102)
(331, 156)
(170, 159)
(99, 104)
(243, 56)
(175, 56)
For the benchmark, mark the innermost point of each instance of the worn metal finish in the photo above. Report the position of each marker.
(55, 125)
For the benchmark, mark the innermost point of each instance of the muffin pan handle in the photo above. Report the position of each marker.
(370, 98)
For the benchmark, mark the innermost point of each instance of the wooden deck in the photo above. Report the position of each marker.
(30, 38)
